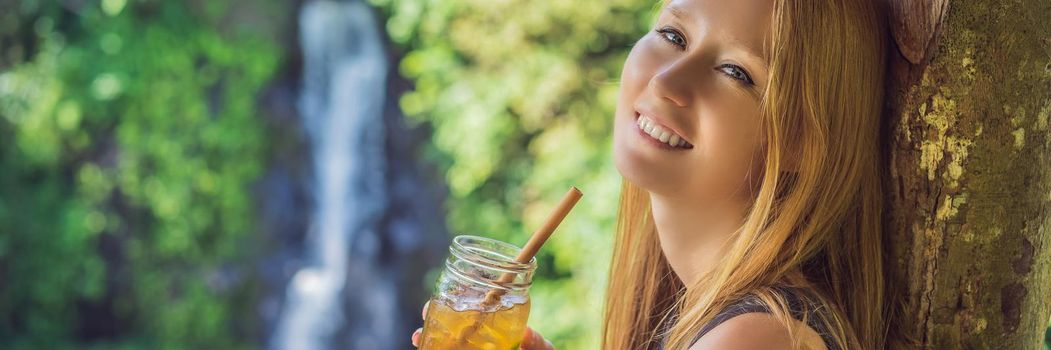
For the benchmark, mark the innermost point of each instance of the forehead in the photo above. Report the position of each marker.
(746, 22)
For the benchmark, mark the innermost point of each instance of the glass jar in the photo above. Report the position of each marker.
(481, 299)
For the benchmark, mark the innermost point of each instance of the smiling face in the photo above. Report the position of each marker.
(688, 115)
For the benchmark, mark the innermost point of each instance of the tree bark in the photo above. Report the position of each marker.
(969, 185)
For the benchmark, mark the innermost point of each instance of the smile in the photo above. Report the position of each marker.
(660, 134)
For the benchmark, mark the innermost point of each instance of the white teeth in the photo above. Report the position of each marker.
(661, 134)
(655, 131)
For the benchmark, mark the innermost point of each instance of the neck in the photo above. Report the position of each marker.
(692, 234)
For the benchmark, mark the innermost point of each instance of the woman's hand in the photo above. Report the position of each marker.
(531, 341)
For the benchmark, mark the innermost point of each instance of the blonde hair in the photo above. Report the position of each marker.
(815, 227)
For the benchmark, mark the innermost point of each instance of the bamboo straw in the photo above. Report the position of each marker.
(528, 251)
(537, 240)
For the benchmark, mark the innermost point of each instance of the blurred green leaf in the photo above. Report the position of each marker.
(128, 140)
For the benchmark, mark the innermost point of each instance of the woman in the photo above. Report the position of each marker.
(747, 136)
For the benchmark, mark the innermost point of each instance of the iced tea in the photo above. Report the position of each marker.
(481, 299)
(500, 328)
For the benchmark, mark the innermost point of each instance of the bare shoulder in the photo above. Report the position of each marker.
(754, 331)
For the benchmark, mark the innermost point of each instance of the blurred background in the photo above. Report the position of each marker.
(287, 174)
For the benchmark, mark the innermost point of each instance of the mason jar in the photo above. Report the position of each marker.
(481, 299)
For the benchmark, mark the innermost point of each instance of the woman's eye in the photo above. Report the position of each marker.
(672, 36)
(736, 72)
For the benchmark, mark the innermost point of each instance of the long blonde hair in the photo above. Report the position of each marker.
(815, 227)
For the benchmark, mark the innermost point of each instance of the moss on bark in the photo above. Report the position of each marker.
(970, 178)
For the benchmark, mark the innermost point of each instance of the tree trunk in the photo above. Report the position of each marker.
(970, 171)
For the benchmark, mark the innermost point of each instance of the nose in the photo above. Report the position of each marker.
(678, 81)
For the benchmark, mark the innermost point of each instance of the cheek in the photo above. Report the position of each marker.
(642, 63)
(730, 146)
(639, 67)
(633, 79)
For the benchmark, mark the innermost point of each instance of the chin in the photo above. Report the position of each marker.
(642, 172)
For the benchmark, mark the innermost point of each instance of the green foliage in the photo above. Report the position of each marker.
(520, 96)
(127, 143)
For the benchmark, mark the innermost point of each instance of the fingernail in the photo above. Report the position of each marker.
(416, 337)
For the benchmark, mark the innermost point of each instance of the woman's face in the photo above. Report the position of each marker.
(694, 84)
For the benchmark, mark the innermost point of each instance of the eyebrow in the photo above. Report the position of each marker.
(678, 12)
(757, 55)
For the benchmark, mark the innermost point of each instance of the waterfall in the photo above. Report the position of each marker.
(341, 104)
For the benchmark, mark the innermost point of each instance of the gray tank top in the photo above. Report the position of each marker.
(797, 307)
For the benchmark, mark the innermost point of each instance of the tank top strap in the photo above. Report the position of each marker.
(799, 306)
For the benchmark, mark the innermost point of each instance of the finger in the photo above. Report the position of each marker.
(425, 305)
(534, 341)
(527, 340)
(416, 337)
